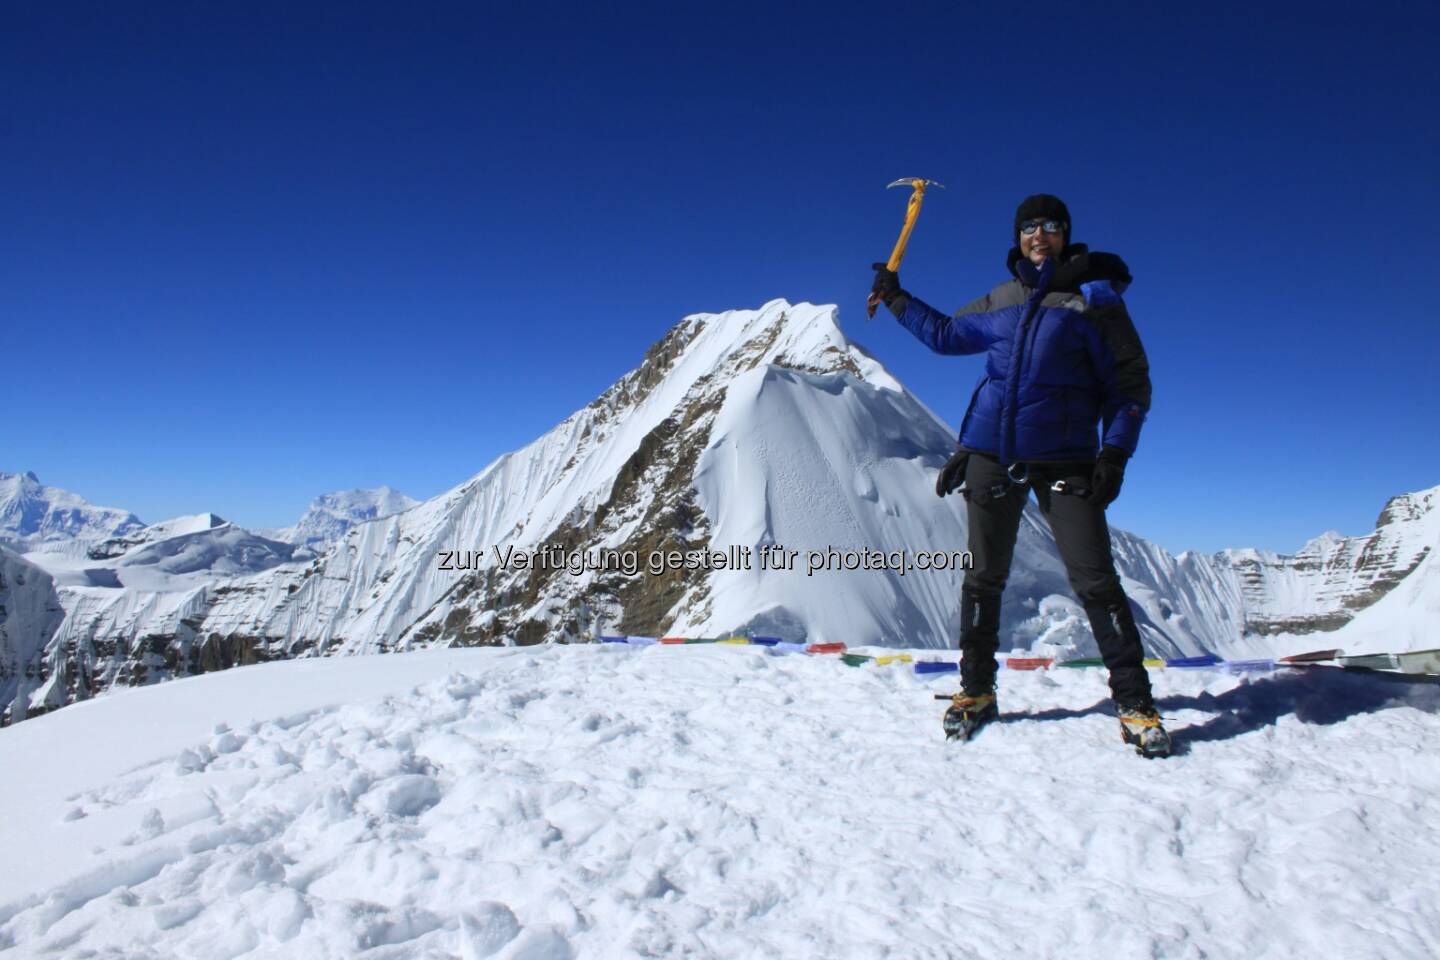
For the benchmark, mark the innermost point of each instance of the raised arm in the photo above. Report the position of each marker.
(968, 331)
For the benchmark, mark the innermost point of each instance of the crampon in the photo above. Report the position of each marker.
(968, 713)
(1141, 728)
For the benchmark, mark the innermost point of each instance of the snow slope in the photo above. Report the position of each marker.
(179, 526)
(604, 801)
(182, 554)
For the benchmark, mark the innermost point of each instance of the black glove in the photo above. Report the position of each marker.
(1109, 475)
(952, 474)
(887, 283)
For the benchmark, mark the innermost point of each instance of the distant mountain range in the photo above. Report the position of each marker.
(755, 435)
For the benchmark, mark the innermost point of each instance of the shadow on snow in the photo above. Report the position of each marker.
(1316, 695)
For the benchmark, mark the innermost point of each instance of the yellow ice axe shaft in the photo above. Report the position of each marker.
(912, 213)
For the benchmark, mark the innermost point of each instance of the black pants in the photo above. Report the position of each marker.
(995, 507)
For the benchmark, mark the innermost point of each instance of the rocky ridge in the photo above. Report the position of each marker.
(1332, 578)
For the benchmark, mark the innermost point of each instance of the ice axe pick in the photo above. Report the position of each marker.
(912, 213)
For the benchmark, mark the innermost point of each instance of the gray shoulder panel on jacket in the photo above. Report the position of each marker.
(1009, 294)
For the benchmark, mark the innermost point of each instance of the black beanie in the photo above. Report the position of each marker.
(1042, 206)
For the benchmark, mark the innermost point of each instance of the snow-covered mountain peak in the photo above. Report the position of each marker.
(331, 515)
(32, 514)
(713, 348)
(619, 474)
(165, 529)
(801, 336)
(1319, 546)
(1409, 508)
(383, 499)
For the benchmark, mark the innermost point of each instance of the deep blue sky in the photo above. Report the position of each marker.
(253, 255)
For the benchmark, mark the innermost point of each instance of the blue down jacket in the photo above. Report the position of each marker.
(1061, 358)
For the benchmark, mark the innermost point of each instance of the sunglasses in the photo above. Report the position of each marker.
(1028, 228)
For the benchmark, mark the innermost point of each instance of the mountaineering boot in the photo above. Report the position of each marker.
(968, 713)
(1141, 728)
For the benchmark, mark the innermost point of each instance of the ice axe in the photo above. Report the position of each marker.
(912, 213)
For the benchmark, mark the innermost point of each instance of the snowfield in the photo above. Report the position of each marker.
(606, 801)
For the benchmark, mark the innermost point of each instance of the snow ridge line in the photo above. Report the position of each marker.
(1419, 662)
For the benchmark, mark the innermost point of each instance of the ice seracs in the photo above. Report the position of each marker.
(30, 613)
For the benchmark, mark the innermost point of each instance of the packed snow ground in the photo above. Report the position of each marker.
(606, 801)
